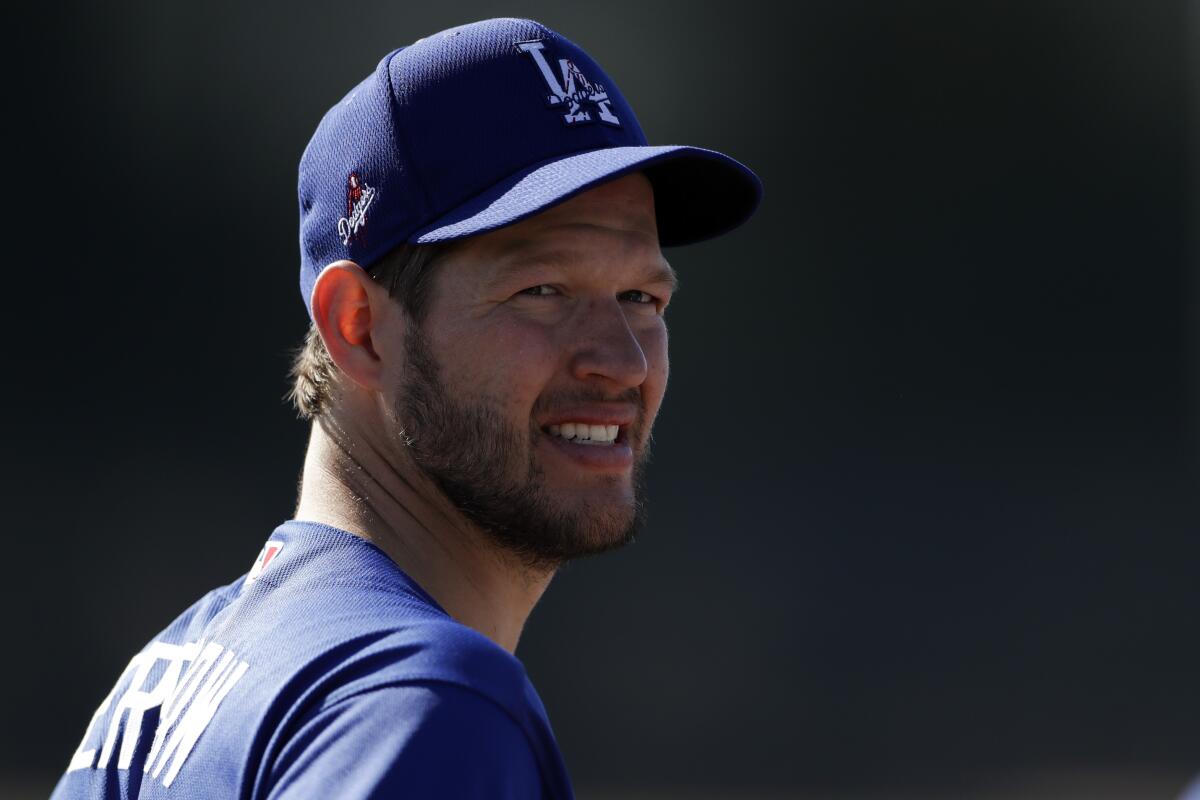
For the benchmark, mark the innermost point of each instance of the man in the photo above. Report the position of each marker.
(480, 231)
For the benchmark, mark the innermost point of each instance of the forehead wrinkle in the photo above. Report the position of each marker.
(658, 270)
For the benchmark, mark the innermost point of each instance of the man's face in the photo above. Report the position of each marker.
(550, 324)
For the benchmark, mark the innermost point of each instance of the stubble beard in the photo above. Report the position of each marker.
(489, 471)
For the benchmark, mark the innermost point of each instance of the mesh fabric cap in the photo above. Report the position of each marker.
(480, 126)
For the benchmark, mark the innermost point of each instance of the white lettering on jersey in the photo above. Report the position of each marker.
(138, 700)
(194, 694)
(191, 707)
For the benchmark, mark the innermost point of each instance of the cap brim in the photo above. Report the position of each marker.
(698, 193)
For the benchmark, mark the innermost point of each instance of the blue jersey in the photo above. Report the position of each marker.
(323, 672)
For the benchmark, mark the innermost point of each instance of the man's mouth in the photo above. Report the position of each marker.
(586, 433)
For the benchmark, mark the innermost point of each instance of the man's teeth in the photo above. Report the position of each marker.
(583, 433)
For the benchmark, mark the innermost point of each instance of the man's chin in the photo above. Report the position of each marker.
(592, 496)
(549, 537)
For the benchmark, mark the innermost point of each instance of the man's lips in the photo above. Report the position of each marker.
(617, 456)
(598, 451)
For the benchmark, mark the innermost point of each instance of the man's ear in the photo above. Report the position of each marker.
(349, 309)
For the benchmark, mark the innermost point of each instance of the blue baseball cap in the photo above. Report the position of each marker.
(480, 126)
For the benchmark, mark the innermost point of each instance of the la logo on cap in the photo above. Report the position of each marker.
(574, 90)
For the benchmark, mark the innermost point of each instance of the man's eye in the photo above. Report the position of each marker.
(637, 296)
(541, 290)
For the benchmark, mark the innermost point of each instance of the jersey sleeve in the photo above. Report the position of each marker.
(421, 740)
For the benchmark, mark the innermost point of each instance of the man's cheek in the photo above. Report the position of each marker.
(509, 364)
(501, 380)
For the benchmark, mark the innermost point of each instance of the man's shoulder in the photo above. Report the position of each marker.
(392, 651)
(415, 740)
(373, 673)
(425, 707)
(348, 630)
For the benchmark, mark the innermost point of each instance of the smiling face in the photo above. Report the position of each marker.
(529, 390)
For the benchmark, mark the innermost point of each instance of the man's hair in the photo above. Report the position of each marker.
(406, 272)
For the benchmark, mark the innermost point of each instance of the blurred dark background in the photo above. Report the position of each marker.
(924, 510)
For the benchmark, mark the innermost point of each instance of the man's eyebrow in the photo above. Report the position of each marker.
(665, 273)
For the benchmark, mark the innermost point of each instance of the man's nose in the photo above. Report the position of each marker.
(606, 348)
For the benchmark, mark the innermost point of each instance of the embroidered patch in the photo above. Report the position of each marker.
(574, 92)
(269, 551)
(358, 199)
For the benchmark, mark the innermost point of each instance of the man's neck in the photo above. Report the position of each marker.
(349, 484)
